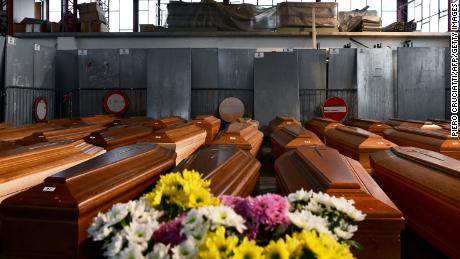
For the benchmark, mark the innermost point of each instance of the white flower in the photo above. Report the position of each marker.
(160, 251)
(117, 213)
(300, 195)
(226, 216)
(333, 203)
(345, 231)
(99, 230)
(131, 252)
(187, 249)
(114, 247)
(140, 234)
(306, 220)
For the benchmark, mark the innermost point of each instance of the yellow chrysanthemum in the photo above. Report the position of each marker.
(293, 247)
(322, 246)
(248, 250)
(216, 242)
(276, 250)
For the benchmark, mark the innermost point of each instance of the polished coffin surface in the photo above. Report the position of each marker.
(254, 123)
(24, 167)
(290, 137)
(184, 139)
(131, 121)
(231, 170)
(374, 126)
(244, 135)
(209, 123)
(445, 124)
(75, 132)
(425, 186)
(323, 169)
(98, 119)
(439, 141)
(118, 136)
(427, 125)
(11, 134)
(356, 143)
(57, 213)
(281, 121)
(320, 126)
(164, 122)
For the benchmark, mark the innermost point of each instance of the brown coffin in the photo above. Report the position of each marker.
(118, 136)
(184, 139)
(356, 143)
(323, 169)
(12, 134)
(24, 167)
(374, 126)
(209, 123)
(290, 137)
(445, 124)
(231, 170)
(51, 219)
(281, 121)
(66, 122)
(98, 119)
(244, 135)
(164, 122)
(254, 123)
(320, 126)
(130, 121)
(425, 186)
(7, 145)
(427, 125)
(4, 125)
(63, 133)
(437, 141)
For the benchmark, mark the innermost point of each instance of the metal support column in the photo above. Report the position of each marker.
(135, 15)
(69, 15)
(402, 10)
(6, 17)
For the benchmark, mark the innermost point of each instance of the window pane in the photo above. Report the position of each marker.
(126, 14)
(443, 25)
(143, 17)
(426, 9)
(389, 5)
(426, 27)
(443, 5)
(375, 5)
(418, 13)
(410, 12)
(114, 21)
(275, 2)
(265, 2)
(143, 5)
(55, 16)
(115, 5)
(358, 4)
(344, 5)
(388, 18)
(434, 24)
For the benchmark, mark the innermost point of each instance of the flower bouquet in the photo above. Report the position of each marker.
(181, 219)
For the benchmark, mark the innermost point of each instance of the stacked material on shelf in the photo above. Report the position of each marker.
(352, 20)
(184, 139)
(164, 122)
(56, 214)
(357, 143)
(371, 23)
(374, 126)
(24, 167)
(209, 123)
(281, 121)
(425, 186)
(323, 169)
(438, 141)
(12, 134)
(320, 126)
(426, 125)
(118, 136)
(290, 137)
(244, 135)
(401, 27)
(300, 15)
(231, 170)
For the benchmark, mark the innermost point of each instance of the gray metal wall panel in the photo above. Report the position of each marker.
(19, 66)
(204, 69)
(133, 69)
(312, 68)
(311, 101)
(19, 104)
(66, 70)
(421, 83)
(169, 82)
(375, 84)
(236, 68)
(276, 87)
(2, 61)
(342, 69)
(99, 69)
(44, 67)
(447, 90)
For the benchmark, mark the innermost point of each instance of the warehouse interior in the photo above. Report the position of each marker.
(346, 97)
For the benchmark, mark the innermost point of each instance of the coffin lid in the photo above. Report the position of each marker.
(365, 120)
(323, 119)
(440, 121)
(428, 133)
(123, 132)
(206, 118)
(175, 132)
(297, 131)
(357, 131)
(238, 127)
(429, 158)
(412, 121)
(34, 148)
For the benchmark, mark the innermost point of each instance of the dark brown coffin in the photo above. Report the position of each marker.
(51, 219)
(66, 122)
(244, 135)
(291, 137)
(374, 126)
(4, 125)
(445, 124)
(281, 121)
(356, 143)
(323, 169)
(184, 139)
(427, 125)
(24, 167)
(231, 170)
(437, 141)
(7, 145)
(209, 123)
(68, 133)
(12, 134)
(425, 186)
(131, 121)
(98, 119)
(254, 123)
(320, 126)
(118, 136)
(164, 122)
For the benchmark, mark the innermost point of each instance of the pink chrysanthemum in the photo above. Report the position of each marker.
(169, 232)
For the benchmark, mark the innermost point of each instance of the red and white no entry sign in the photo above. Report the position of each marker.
(116, 102)
(41, 109)
(335, 108)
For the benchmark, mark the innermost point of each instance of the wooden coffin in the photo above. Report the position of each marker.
(374, 126)
(427, 125)
(425, 186)
(66, 122)
(437, 141)
(254, 123)
(281, 121)
(184, 139)
(323, 169)
(98, 119)
(244, 135)
(209, 123)
(231, 170)
(51, 219)
(4, 125)
(445, 124)
(24, 167)
(7, 145)
(63, 133)
(118, 136)
(130, 121)
(320, 126)
(356, 143)
(12, 134)
(164, 122)
(290, 137)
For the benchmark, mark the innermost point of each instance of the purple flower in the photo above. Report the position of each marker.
(242, 207)
(169, 232)
(271, 210)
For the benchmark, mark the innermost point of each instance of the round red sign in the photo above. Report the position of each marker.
(41, 109)
(116, 102)
(335, 108)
